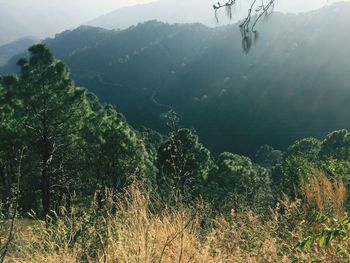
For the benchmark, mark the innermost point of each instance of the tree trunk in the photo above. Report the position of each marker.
(45, 189)
(45, 179)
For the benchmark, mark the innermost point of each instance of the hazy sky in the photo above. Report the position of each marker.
(296, 6)
(103, 6)
(43, 18)
(88, 9)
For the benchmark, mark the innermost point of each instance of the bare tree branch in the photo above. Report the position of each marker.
(256, 11)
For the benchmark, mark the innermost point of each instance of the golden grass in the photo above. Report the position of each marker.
(129, 232)
(322, 194)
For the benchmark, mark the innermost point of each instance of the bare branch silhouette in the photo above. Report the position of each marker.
(256, 11)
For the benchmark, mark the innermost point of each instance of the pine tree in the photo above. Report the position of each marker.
(50, 111)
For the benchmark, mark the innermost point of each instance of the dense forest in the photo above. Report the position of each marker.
(293, 84)
(60, 148)
(177, 143)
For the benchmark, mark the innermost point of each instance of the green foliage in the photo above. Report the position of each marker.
(50, 112)
(114, 150)
(329, 229)
(186, 66)
(74, 143)
(336, 145)
(268, 157)
(75, 146)
(307, 148)
(299, 161)
(183, 164)
(239, 182)
(293, 169)
(307, 155)
(153, 140)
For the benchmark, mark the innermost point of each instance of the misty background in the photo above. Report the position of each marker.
(292, 84)
(40, 19)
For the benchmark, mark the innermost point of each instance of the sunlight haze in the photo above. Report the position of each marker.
(41, 19)
(90, 8)
(174, 131)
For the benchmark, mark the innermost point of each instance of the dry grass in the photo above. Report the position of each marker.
(129, 232)
(322, 194)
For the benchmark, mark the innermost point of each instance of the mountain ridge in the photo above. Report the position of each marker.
(169, 11)
(275, 94)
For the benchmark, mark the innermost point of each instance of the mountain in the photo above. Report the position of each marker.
(41, 19)
(169, 11)
(191, 11)
(294, 82)
(18, 21)
(7, 51)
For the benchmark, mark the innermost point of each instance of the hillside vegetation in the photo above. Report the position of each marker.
(171, 143)
(14, 48)
(292, 84)
(79, 184)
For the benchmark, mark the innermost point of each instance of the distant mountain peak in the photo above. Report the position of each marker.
(192, 11)
(294, 83)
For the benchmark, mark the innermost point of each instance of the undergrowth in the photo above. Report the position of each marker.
(314, 228)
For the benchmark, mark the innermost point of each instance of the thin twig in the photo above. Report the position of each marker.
(170, 240)
(4, 250)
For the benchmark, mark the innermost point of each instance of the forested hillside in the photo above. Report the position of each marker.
(292, 84)
(14, 48)
(176, 142)
(78, 183)
(169, 11)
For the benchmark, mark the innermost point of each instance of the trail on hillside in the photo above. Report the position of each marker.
(152, 97)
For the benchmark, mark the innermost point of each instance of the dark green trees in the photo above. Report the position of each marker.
(50, 111)
(113, 151)
(336, 145)
(306, 156)
(183, 164)
(237, 182)
(9, 144)
(268, 157)
(335, 155)
(72, 142)
(299, 161)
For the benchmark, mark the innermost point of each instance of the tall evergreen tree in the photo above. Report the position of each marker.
(183, 164)
(50, 110)
(114, 151)
(237, 183)
(74, 143)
